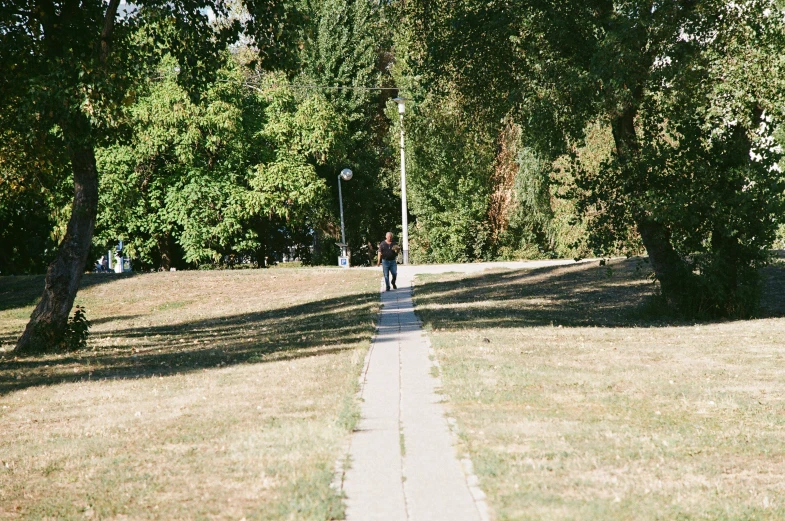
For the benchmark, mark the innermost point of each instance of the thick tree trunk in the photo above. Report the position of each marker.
(49, 320)
(371, 253)
(670, 269)
(165, 247)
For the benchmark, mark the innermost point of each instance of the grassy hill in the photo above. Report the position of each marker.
(202, 395)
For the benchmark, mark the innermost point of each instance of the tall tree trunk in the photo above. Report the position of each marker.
(49, 320)
(670, 269)
(371, 253)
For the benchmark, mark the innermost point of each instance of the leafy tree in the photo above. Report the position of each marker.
(450, 164)
(478, 190)
(30, 197)
(229, 177)
(349, 44)
(531, 216)
(164, 190)
(691, 91)
(66, 67)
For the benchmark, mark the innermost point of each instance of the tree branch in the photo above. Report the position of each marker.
(106, 33)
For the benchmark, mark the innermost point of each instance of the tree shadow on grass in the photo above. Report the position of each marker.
(311, 329)
(25, 290)
(619, 294)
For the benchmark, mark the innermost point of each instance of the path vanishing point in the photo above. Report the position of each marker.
(403, 462)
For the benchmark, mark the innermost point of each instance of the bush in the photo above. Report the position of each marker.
(78, 330)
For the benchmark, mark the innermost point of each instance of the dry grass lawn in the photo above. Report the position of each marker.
(575, 404)
(203, 395)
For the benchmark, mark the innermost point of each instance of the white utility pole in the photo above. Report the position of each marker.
(404, 209)
(346, 175)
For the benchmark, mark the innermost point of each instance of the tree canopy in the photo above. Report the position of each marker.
(691, 92)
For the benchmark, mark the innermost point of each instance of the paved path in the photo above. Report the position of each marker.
(403, 463)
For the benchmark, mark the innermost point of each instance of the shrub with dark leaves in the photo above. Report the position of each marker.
(78, 330)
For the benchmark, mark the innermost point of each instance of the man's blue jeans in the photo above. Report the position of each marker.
(389, 266)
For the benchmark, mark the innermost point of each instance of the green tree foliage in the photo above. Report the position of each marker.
(349, 44)
(535, 128)
(31, 187)
(66, 69)
(537, 211)
(264, 198)
(691, 92)
(227, 178)
(478, 191)
(449, 165)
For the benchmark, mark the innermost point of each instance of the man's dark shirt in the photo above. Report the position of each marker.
(387, 250)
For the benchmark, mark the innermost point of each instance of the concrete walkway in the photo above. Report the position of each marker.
(403, 462)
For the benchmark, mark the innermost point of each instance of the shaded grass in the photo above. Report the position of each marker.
(22, 291)
(575, 403)
(203, 395)
(314, 328)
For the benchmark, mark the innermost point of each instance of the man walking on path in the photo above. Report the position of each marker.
(388, 253)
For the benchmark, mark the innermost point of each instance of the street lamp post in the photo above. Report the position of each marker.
(345, 175)
(404, 209)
